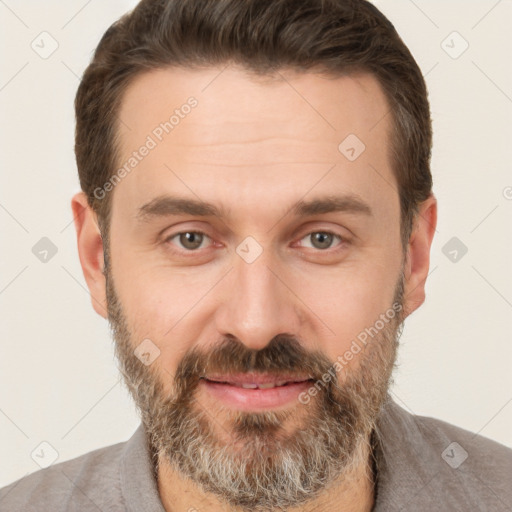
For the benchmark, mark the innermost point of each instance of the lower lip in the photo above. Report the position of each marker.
(255, 399)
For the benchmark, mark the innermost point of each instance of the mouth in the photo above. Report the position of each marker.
(256, 381)
(252, 392)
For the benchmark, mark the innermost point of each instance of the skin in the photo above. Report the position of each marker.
(255, 147)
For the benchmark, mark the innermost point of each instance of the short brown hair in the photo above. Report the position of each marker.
(336, 36)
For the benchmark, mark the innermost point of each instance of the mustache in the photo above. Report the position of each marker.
(283, 354)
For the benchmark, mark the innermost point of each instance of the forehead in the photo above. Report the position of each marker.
(286, 137)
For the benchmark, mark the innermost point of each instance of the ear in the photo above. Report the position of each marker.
(90, 250)
(418, 255)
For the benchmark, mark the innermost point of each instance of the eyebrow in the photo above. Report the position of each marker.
(164, 206)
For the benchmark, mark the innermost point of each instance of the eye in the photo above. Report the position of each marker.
(189, 240)
(322, 239)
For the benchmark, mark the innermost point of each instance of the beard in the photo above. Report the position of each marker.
(259, 464)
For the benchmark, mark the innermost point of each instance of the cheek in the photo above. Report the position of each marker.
(345, 303)
(163, 306)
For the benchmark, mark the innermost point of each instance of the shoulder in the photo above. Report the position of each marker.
(460, 444)
(441, 464)
(77, 484)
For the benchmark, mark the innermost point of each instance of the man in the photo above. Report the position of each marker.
(255, 222)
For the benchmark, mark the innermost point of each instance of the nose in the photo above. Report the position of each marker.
(258, 303)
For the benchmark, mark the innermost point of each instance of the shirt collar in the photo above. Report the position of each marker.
(405, 464)
(138, 480)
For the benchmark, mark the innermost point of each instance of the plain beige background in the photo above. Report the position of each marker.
(58, 378)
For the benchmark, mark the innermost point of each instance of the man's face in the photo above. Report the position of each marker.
(263, 289)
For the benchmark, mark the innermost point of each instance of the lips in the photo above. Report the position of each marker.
(255, 391)
(256, 380)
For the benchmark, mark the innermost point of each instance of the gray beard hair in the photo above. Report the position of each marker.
(262, 468)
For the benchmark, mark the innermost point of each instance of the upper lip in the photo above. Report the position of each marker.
(254, 378)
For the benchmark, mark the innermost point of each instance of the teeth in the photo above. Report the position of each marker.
(251, 385)
(267, 385)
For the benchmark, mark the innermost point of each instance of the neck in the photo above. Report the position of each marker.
(353, 491)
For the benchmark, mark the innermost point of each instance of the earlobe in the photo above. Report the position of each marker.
(90, 251)
(418, 254)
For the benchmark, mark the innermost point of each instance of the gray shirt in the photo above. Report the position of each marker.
(423, 464)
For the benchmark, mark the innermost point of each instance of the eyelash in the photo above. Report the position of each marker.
(343, 241)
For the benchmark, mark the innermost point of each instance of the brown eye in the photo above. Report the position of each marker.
(189, 240)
